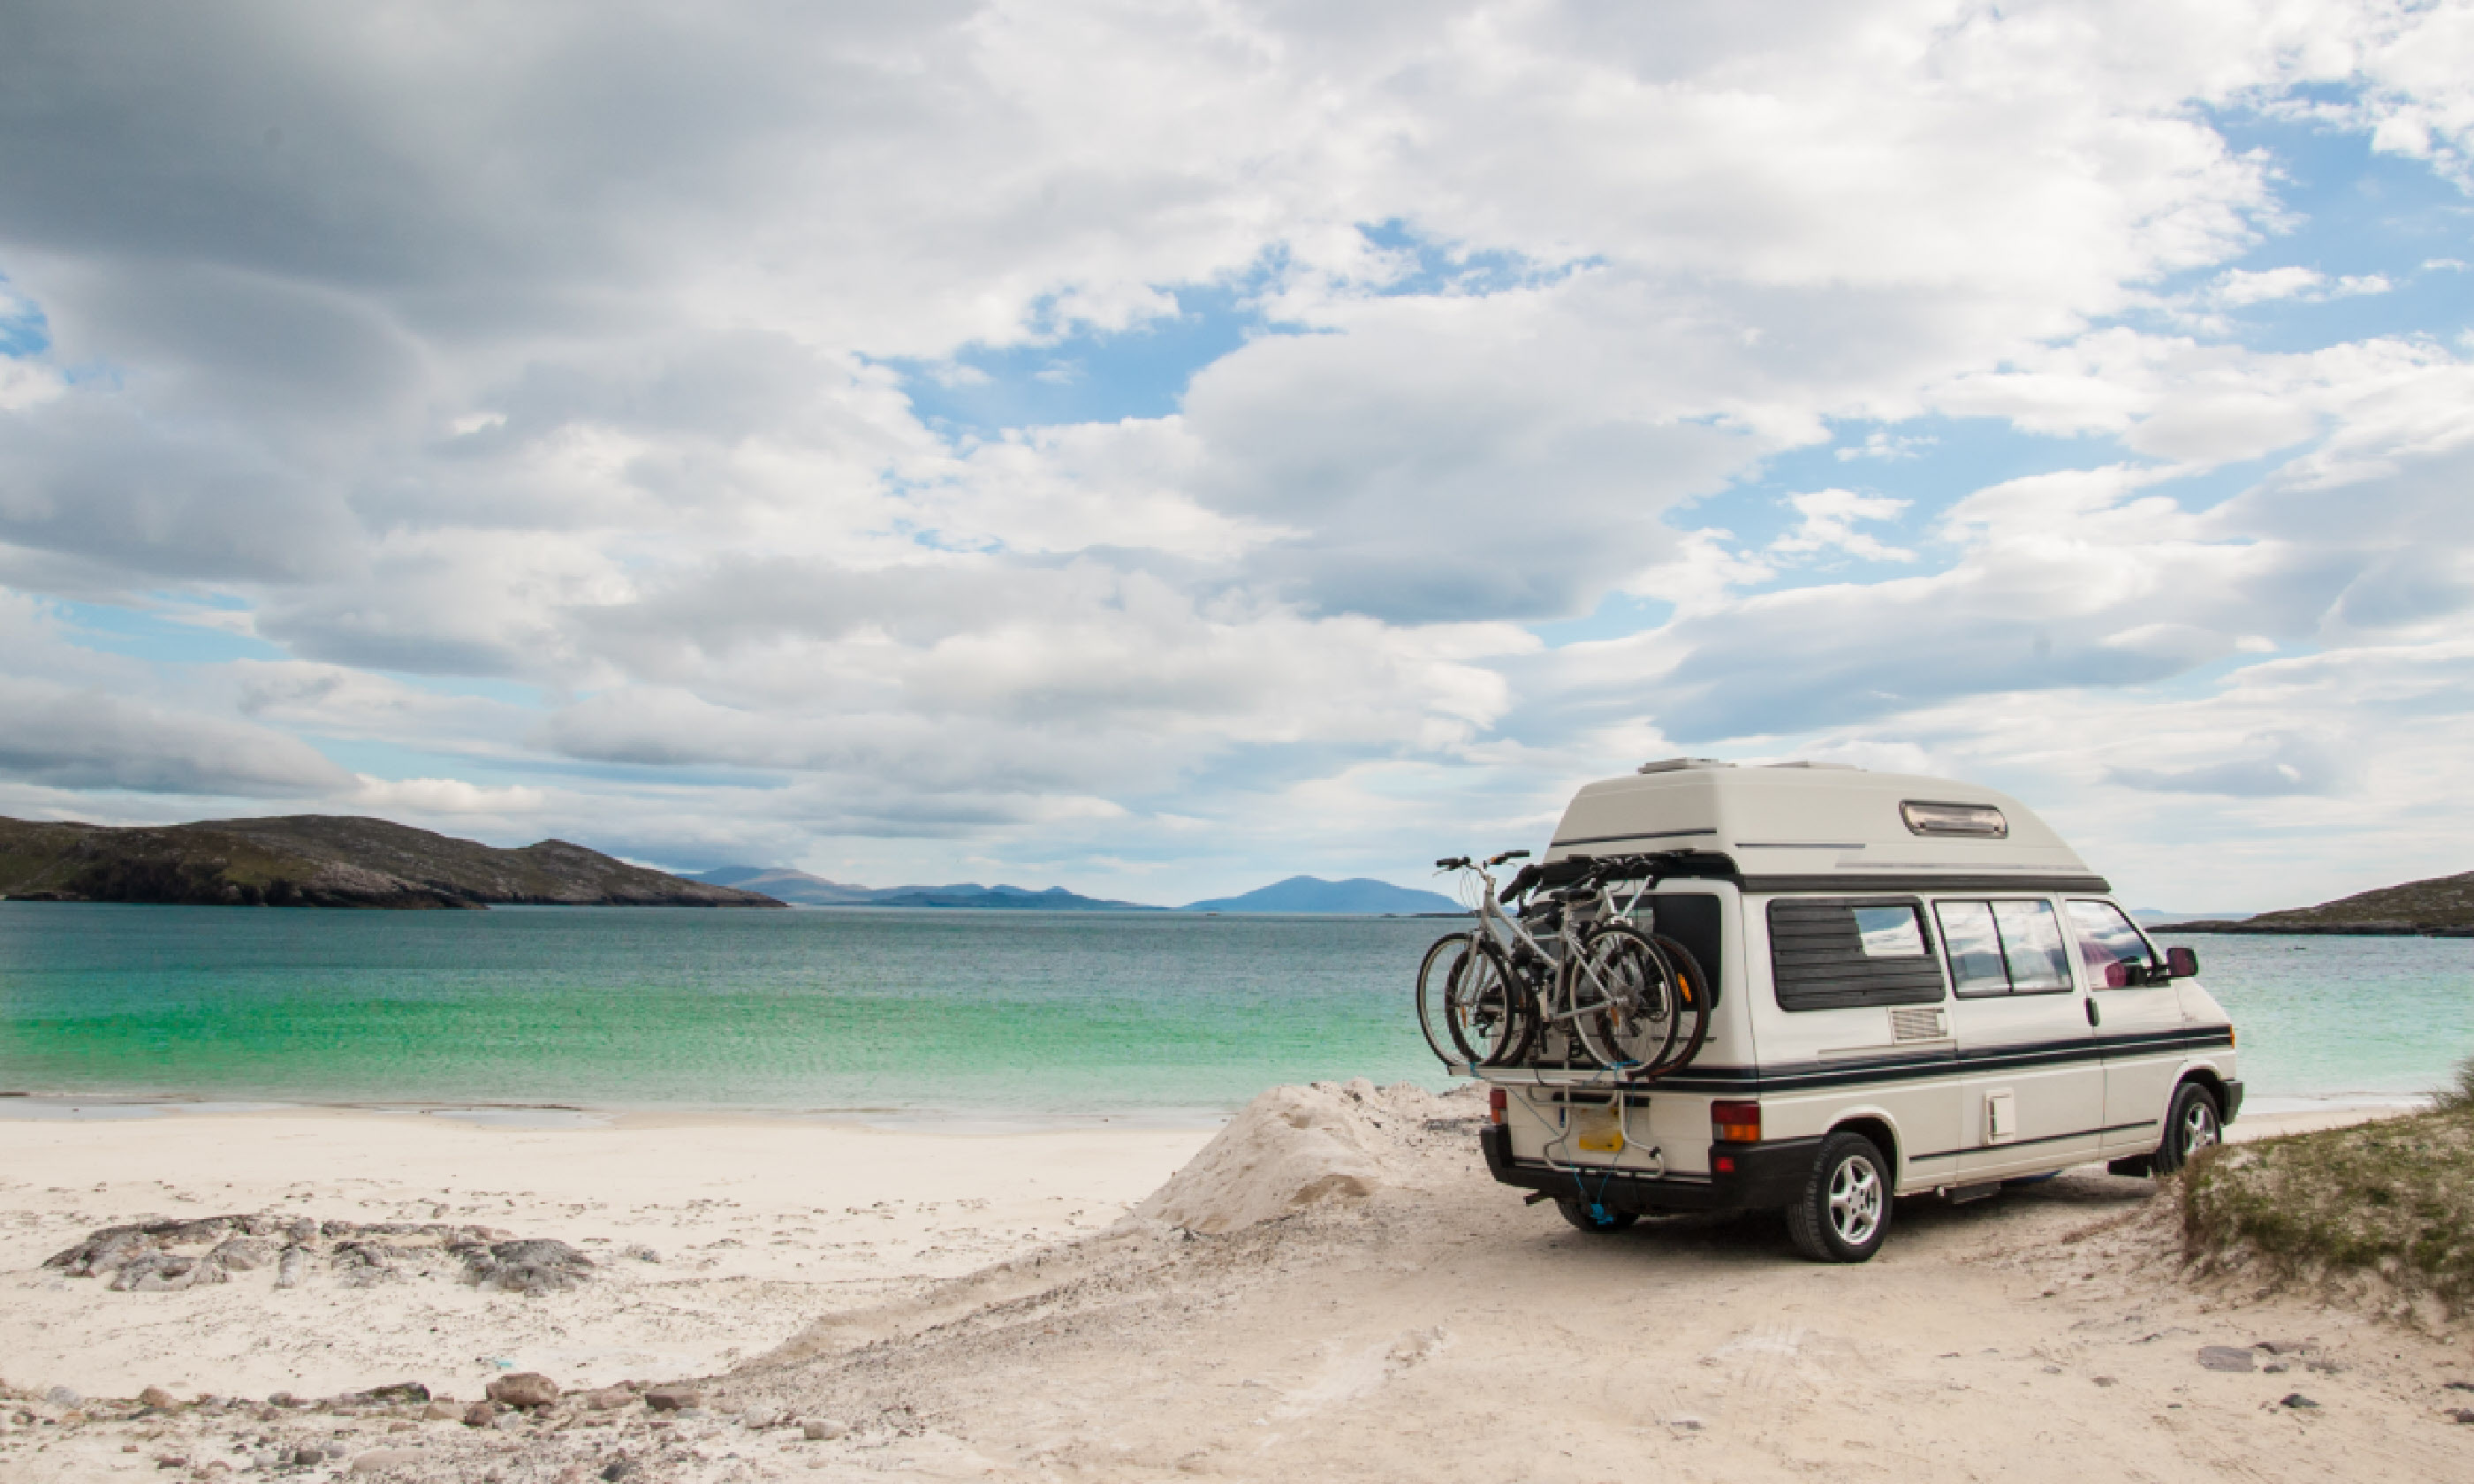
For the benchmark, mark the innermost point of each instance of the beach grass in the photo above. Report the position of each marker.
(2390, 1200)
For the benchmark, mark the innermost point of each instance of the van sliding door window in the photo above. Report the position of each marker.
(2004, 948)
(1975, 946)
(1831, 954)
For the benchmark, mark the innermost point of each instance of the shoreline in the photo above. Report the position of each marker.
(39, 1107)
(27, 1106)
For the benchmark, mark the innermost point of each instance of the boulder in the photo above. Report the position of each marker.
(400, 1392)
(383, 1459)
(158, 1399)
(673, 1398)
(526, 1389)
(533, 1265)
(480, 1414)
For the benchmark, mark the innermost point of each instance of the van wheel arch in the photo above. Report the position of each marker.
(2206, 1077)
(1885, 1138)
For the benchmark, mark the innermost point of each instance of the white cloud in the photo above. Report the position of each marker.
(85, 739)
(1829, 525)
(2238, 286)
(447, 795)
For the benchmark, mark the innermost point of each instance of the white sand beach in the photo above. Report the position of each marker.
(757, 1224)
(981, 1306)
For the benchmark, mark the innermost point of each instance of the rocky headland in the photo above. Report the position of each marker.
(2439, 907)
(325, 860)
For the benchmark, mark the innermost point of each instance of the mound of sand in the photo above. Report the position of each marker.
(1294, 1149)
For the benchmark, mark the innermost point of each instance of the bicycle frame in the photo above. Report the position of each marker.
(1557, 994)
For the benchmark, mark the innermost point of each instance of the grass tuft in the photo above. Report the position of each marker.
(2390, 1200)
(2458, 1095)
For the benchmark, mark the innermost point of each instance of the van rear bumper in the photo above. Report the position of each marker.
(1769, 1176)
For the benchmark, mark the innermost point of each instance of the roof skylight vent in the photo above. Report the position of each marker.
(1679, 764)
(1972, 821)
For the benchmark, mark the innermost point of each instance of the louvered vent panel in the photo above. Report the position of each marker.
(1917, 1024)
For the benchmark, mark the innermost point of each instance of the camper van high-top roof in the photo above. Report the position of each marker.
(1821, 824)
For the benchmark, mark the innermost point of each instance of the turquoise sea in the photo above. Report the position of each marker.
(1042, 1016)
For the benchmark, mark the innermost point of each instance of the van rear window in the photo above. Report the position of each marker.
(1832, 953)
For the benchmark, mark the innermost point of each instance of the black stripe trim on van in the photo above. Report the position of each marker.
(1908, 1066)
(1854, 882)
(1649, 835)
(2022, 1143)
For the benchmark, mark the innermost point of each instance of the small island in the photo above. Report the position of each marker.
(325, 860)
(2439, 907)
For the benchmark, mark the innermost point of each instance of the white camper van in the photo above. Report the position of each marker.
(1912, 985)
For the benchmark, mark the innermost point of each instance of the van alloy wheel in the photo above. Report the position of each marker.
(1845, 1210)
(1854, 1201)
(2199, 1126)
(2192, 1123)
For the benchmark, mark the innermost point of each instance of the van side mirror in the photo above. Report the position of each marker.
(2117, 975)
(2181, 963)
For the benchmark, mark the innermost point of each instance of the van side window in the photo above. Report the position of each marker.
(2003, 948)
(2116, 953)
(1975, 946)
(1834, 953)
(2031, 941)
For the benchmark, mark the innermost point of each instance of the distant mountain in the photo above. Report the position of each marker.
(786, 885)
(325, 860)
(1311, 894)
(2439, 907)
(798, 886)
(2150, 917)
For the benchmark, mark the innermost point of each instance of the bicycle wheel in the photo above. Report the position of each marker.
(1624, 999)
(1489, 1012)
(1694, 996)
(1434, 978)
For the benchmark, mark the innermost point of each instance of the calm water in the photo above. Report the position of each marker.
(1004, 1015)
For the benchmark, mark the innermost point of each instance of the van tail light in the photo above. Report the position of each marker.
(1496, 1103)
(1735, 1123)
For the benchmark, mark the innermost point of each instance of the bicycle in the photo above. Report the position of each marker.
(1625, 995)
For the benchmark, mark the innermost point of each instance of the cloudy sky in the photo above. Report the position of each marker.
(1156, 449)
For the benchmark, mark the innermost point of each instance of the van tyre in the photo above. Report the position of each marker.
(1845, 1212)
(1594, 1218)
(2193, 1122)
